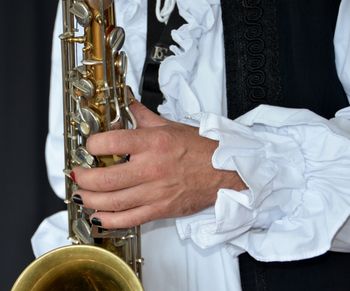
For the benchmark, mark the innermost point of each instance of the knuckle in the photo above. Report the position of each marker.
(111, 145)
(162, 140)
(116, 203)
(108, 179)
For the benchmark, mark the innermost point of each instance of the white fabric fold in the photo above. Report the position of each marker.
(132, 16)
(296, 165)
(342, 45)
(197, 39)
(342, 121)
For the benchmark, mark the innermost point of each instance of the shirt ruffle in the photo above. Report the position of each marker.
(132, 16)
(342, 46)
(177, 71)
(296, 165)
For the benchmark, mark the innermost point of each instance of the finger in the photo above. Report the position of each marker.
(146, 117)
(116, 201)
(111, 178)
(126, 219)
(117, 142)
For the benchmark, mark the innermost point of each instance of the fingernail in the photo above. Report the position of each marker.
(77, 199)
(72, 176)
(96, 221)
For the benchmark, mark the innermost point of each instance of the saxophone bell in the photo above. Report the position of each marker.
(85, 267)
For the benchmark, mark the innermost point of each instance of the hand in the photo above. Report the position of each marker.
(169, 173)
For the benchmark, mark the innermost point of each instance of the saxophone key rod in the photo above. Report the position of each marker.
(95, 99)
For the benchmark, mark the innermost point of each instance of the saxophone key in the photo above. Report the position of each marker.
(82, 157)
(82, 13)
(90, 122)
(85, 88)
(82, 230)
(116, 39)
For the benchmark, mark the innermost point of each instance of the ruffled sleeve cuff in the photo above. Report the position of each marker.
(296, 167)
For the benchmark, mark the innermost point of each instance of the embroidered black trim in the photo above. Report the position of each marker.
(252, 57)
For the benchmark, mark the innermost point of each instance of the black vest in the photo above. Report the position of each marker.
(280, 52)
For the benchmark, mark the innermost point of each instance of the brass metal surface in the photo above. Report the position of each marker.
(95, 3)
(79, 267)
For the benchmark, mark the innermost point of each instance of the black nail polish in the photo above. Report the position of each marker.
(96, 221)
(77, 199)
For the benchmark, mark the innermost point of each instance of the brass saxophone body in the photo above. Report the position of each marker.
(95, 99)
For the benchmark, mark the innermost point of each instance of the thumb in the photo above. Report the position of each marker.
(145, 117)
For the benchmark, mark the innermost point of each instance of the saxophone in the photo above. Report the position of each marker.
(95, 99)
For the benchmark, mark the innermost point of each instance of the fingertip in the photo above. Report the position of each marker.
(72, 176)
(96, 221)
(75, 174)
(77, 199)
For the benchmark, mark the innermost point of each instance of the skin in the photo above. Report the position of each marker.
(169, 174)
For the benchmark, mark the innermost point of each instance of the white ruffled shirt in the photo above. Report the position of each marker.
(295, 163)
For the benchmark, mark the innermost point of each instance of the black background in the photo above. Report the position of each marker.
(26, 197)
